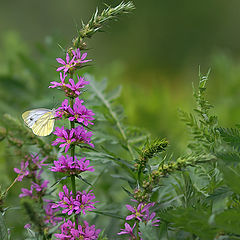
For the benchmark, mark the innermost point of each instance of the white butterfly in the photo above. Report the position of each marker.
(40, 120)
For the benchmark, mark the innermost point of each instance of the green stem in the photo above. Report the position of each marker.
(138, 238)
(73, 182)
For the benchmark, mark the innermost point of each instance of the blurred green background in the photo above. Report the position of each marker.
(154, 53)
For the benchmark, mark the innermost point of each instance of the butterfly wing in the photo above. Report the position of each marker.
(44, 125)
(40, 120)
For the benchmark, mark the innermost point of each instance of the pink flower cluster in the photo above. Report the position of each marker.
(69, 166)
(82, 203)
(70, 89)
(84, 231)
(78, 113)
(74, 63)
(139, 213)
(67, 137)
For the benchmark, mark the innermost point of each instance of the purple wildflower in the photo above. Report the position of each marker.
(147, 217)
(80, 113)
(138, 212)
(26, 193)
(28, 225)
(128, 230)
(83, 136)
(83, 231)
(67, 165)
(79, 58)
(23, 171)
(68, 65)
(75, 87)
(59, 84)
(82, 202)
(67, 201)
(65, 137)
(38, 164)
(50, 215)
(63, 110)
(40, 187)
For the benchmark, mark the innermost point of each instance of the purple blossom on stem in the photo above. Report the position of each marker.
(80, 113)
(84, 231)
(75, 87)
(128, 230)
(67, 165)
(149, 217)
(23, 171)
(68, 65)
(82, 202)
(37, 163)
(40, 187)
(139, 211)
(28, 225)
(26, 193)
(65, 137)
(63, 110)
(83, 136)
(50, 215)
(59, 84)
(79, 59)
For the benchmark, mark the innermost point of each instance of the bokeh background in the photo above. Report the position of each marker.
(154, 53)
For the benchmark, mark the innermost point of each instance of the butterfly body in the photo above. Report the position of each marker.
(40, 120)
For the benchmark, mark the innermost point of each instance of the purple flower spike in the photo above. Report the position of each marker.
(67, 165)
(23, 171)
(66, 65)
(80, 113)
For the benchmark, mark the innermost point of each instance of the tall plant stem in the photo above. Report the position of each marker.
(73, 182)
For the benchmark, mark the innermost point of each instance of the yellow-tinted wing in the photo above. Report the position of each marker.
(44, 125)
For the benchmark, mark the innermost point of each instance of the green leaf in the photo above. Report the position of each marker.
(109, 214)
(228, 221)
(232, 177)
(147, 231)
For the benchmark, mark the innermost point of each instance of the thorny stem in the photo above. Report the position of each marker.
(97, 21)
(138, 231)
